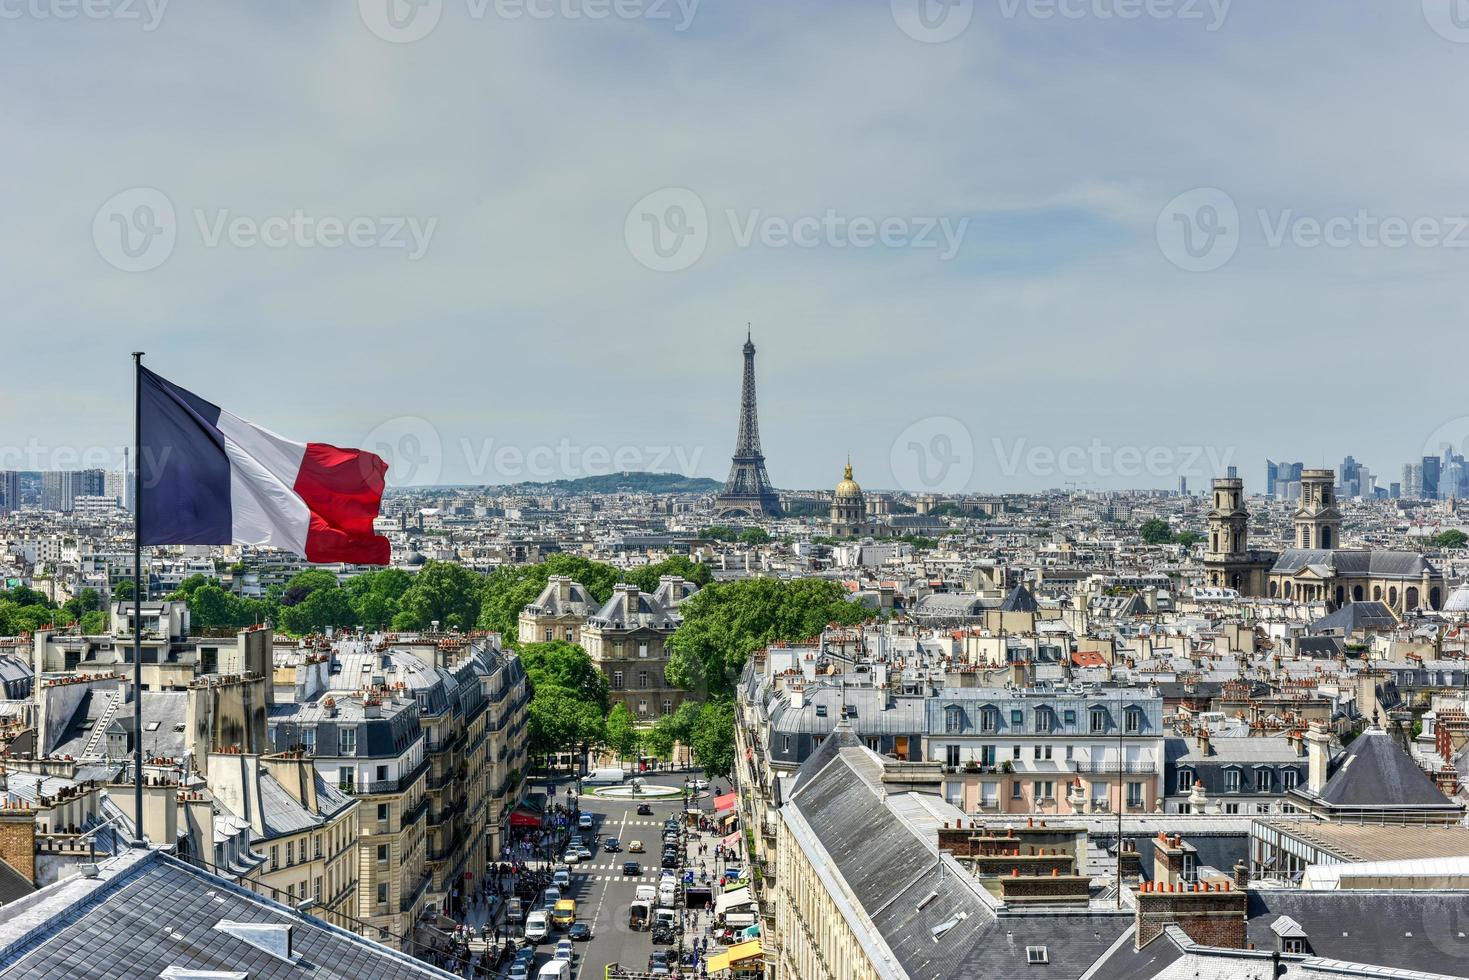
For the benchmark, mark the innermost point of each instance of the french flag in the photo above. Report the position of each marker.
(209, 477)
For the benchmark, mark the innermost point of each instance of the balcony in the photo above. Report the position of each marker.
(412, 814)
(398, 785)
(1117, 768)
(410, 899)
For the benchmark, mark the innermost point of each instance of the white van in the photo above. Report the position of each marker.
(667, 893)
(555, 970)
(646, 893)
(537, 927)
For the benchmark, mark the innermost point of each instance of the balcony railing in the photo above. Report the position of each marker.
(393, 785)
(1118, 768)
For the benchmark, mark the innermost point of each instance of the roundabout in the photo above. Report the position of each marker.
(651, 792)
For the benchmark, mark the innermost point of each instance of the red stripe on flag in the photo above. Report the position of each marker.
(343, 488)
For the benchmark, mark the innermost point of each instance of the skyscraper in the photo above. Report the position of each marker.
(9, 491)
(60, 488)
(1431, 468)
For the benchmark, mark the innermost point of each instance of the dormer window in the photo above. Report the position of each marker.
(1133, 719)
(953, 719)
(1098, 720)
(821, 711)
(989, 719)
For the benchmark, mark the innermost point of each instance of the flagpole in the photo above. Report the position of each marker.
(139, 840)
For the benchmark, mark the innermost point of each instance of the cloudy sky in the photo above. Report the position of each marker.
(988, 245)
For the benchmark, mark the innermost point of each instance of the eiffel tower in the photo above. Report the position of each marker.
(747, 492)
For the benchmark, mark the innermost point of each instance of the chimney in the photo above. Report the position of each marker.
(1203, 740)
(1169, 865)
(1241, 876)
(563, 588)
(18, 841)
(1211, 913)
(1318, 756)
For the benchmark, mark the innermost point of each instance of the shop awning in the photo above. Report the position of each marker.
(725, 802)
(732, 900)
(728, 818)
(522, 819)
(731, 839)
(735, 955)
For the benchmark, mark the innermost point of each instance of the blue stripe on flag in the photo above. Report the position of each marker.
(185, 496)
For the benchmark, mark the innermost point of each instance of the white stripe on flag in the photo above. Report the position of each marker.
(265, 507)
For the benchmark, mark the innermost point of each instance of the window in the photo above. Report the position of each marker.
(953, 718)
(382, 854)
(316, 842)
(667, 706)
(989, 719)
(643, 650)
(550, 634)
(1098, 720)
(1042, 789)
(1231, 780)
(617, 680)
(269, 733)
(275, 856)
(1134, 794)
(954, 794)
(642, 707)
(1185, 780)
(1015, 752)
(642, 678)
(290, 853)
(1069, 753)
(382, 894)
(1045, 719)
(1015, 791)
(382, 812)
(989, 794)
(308, 739)
(1133, 718)
(1070, 717)
(951, 756)
(1037, 955)
(382, 773)
(1288, 779)
(346, 778)
(1264, 783)
(785, 742)
(1017, 717)
(1231, 808)
(318, 888)
(569, 633)
(1293, 945)
(821, 711)
(349, 741)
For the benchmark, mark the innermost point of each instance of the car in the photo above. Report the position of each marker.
(658, 962)
(575, 841)
(580, 932)
(701, 784)
(612, 845)
(561, 879)
(635, 847)
(563, 950)
(670, 861)
(571, 856)
(550, 897)
(584, 821)
(631, 868)
(537, 927)
(645, 810)
(519, 970)
(670, 839)
(584, 853)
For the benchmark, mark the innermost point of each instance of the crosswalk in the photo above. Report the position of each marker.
(597, 872)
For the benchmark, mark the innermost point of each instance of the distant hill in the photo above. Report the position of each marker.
(634, 483)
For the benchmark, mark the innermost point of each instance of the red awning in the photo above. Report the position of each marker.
(725, 802)
(519, 819)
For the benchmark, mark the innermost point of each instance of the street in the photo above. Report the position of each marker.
(603, 893)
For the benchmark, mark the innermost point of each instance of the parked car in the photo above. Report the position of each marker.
(612, 845)
(669, 861)
(631, 868)
(537, 927)
(658, 963)
(580, 932)
(701, 784)
(635, 847)
(645, 810)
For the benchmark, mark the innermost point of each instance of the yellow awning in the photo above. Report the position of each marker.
(738, 953)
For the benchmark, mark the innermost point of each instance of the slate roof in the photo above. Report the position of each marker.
(1356, 616)
(1405, 930)
(1019, 600)
(548, 603)
(1375, 772)
(1355, 563)
(150, 912)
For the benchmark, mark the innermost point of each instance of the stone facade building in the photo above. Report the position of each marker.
(628, 641)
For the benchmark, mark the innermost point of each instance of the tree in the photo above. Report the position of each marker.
(376, 596)
(646, 578)
(718, 532)
(681, 724)
(319, 610)
(567, 666)
(563, 721)
(1155, 531)
(622, 733)
(306, 582)
(658, 740)
(1187, 538)
(95, 623)
(510, 588)
(725, 622)
(712, 738)
(754, 535)
(123, 591)
(441, 592)
(1451, 539)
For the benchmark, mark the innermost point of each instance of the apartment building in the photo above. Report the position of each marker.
(627, 639)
